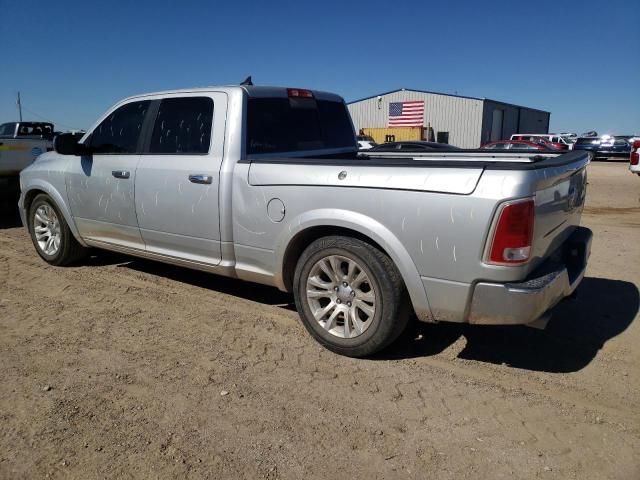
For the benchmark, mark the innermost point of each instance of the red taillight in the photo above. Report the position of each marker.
(296, 92)
(635, 153)
(511, 243)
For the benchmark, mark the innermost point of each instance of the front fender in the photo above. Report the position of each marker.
(38, 184)
(368, 227)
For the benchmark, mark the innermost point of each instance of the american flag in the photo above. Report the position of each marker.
(406, 114)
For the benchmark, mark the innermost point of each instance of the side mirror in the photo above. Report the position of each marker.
(67, 144)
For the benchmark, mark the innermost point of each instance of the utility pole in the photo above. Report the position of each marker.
(19, 107)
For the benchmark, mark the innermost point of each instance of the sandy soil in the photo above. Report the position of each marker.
(123, 368)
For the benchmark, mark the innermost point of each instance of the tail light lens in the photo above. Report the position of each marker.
(297, 92)
(635, 153)
(513, 234)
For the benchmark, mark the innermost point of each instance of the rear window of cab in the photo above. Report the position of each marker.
(287, 125)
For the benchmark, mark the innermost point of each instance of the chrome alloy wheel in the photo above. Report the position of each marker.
(341, 297)
(46, 228)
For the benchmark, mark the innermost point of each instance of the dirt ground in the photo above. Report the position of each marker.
(124, 368)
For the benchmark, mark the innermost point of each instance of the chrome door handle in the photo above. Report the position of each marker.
(205, 179)
(120, 174)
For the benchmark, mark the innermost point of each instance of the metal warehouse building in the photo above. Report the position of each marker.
(465, 122)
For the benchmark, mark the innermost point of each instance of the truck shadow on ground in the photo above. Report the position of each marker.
(576, 332)
(229, 286)
(9, 216)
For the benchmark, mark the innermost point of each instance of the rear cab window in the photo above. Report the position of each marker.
(294, 125)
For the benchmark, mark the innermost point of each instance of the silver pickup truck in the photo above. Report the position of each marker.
(265, 184)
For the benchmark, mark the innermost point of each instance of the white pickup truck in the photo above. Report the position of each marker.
(266, 184)
(20, 145)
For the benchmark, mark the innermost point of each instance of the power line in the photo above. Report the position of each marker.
(46, 119)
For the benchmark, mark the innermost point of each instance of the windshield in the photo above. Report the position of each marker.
(7, 129)
(279, 125)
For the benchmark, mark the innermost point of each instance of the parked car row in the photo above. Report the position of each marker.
(606, 146)
(519, 145)
(552, 140)
(601, 147)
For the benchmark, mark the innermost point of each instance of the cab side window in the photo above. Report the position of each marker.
(120, 131)
(183, 126)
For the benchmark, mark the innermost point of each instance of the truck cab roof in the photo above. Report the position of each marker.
(253, 91)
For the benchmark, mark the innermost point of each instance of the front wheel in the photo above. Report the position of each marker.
(50, 233)
(350, 296)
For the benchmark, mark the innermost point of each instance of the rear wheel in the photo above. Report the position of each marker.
(350, 296)
(50, 233)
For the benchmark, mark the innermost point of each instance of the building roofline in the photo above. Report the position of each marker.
(413, 90)
(515, 105)
(446, 95)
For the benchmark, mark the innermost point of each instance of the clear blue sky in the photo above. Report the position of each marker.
(580, 60)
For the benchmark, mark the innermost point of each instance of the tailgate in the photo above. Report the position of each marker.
(559, 199)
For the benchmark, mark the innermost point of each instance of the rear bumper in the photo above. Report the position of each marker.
(527, 301)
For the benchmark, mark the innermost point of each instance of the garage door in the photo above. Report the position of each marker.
(496, 124)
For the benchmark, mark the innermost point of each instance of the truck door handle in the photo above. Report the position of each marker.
(121, 174)
(205, 179)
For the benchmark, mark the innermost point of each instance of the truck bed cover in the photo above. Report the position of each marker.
(457, 159)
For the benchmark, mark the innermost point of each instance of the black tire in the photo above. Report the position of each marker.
(392, 311)
(70, 251)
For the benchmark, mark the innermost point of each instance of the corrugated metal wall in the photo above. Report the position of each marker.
(534, 121)
(461, 117)
(515, 120)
